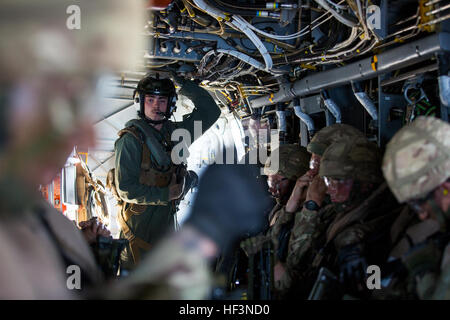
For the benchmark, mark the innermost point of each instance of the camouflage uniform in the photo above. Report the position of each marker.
(293, 163)
(416, 163)
(174, 270)
(306, 221)
(318, 238)
(45, 112)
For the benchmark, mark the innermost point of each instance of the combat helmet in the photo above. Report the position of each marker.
(159, 87)
(417, 159)
(293, 161)
(328, 135)
(357, 158)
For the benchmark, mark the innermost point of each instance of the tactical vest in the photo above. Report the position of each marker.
(149, 176)
(423, 262)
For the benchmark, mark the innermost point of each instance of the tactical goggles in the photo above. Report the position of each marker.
(332, 182)
(314, 162)
(275, 182)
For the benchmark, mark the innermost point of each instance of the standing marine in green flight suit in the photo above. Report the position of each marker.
(146, 178)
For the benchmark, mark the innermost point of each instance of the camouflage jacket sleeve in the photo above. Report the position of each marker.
(206, 110)
(351, 235)
(254, 244)
(300, 242)
(128, 166)
(283, 218)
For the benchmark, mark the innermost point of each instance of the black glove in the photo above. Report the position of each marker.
(190, 182)
(353, 268)
(177, 79)
(230, 202)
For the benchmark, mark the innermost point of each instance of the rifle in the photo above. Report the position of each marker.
(261, 273)
(107, 253)
(325, 287)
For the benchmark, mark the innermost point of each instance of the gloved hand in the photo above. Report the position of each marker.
(92, 229)
(186, 84)
(230, 202)
(191, 180)
(353, 268)
(177, 79)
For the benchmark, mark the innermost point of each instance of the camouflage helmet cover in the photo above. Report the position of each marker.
(293, 161)
(417, 159)
(328, 135)
(358, 159)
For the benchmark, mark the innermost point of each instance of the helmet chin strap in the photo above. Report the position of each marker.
(151, 121)
(355, 197)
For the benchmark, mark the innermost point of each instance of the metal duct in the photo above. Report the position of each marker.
(304, 117)
(332, 107)
(364, 99)
(368, 68)
(281, 120)
(444, 90)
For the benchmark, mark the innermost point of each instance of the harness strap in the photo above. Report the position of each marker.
(136, 243)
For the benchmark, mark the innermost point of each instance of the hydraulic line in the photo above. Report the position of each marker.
(242, 27)
(269, 6)
(242, 56)
(346, 43)
(298, 34)
(228, 9)
(335, 14)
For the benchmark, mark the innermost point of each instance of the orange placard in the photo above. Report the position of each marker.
(57, 192)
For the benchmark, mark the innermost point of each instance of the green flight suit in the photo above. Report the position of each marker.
(150, 213)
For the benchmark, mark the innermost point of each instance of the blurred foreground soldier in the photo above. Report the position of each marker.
(416, 166)
(146, 179)
(41, 93)
(350, 233)
(48, 73)
(308, 195)
(178, 267)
